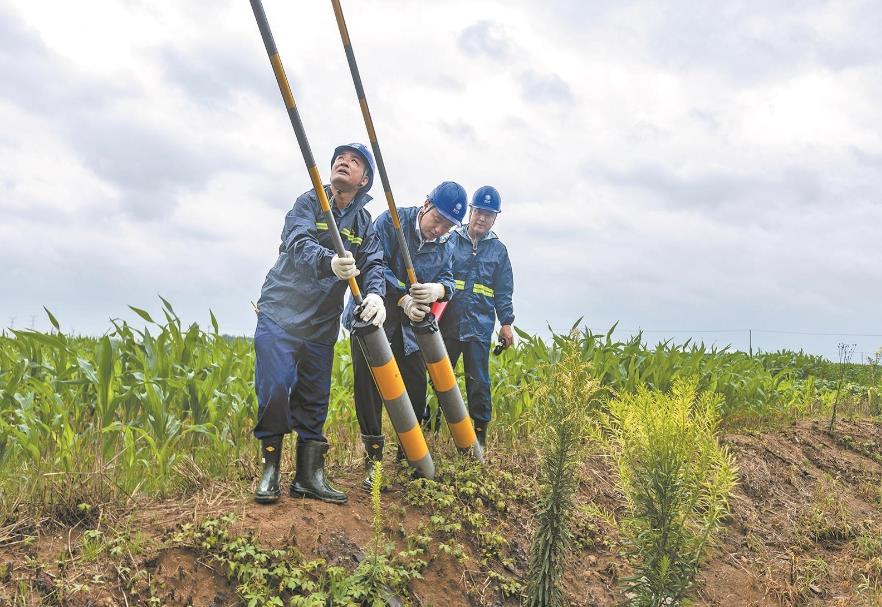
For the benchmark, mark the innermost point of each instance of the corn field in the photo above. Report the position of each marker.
(156, 409)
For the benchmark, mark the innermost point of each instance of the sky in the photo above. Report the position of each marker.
(696, 170)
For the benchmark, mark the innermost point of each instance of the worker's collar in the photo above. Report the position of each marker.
(358, 202)
(464, 231)
(419, 232)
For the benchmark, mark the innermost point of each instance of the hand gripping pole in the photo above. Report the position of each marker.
(373, 343)
(427, 334)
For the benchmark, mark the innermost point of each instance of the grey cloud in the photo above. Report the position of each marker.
(36, 80)
(149, 164)
(867, 159)
(749, 42)
(211, 74)
(579, 14)
(459, 130)
(544, 88)
(485, 38)
(704, 118)
(762, 42)
(712, 190)
(448, 83)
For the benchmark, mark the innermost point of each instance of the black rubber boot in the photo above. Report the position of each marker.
(373, 452)
(309, 480)
(481, 433)
(268, 490)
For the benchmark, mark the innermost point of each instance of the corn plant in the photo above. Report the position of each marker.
(88, 420)
(141, 408)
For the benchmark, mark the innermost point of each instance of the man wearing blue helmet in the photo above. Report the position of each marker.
(484, 284)
(425, 230)
(298, 321)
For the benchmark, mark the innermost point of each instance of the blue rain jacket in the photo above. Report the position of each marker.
(432, 262)
(484, 288)
(301, 293)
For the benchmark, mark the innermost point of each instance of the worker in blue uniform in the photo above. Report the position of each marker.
(298, 321)
(484, 287)
(426, 229)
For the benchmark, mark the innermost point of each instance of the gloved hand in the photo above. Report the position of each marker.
(344, 267)
(426, 292)
(414, 310)
(373, 310)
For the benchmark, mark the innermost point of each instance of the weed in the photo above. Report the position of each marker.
(564, 406)
(826, 519)
(845, 353)
(676, 480)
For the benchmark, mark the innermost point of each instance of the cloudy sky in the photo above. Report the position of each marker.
(694, 169)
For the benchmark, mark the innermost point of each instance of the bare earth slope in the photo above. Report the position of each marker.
(806, 529)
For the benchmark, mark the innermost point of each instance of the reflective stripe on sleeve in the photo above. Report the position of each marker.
(480, 289)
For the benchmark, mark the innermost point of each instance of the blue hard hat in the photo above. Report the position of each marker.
(362, 151)
(450, 199)
(487, 197)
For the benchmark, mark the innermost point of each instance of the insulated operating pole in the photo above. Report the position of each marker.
(377, 351)
(428, 335)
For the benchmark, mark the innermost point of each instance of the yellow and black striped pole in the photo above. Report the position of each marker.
(427, 334)
(379, 355)
(294, 115)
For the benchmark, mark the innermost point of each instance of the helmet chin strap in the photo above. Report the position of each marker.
(335, 190)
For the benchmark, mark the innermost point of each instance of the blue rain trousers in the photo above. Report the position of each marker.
(292, 378)
(476, 360)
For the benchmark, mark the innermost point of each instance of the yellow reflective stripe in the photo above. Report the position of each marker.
(400, 284)
(459, 285)
(348, 235)
(321, 225)
(482, 290)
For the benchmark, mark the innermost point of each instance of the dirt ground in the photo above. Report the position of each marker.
(805, 529)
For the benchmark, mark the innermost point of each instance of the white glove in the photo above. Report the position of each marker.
(414, 310)
(426, 292)
(344, 267)
(373, 310)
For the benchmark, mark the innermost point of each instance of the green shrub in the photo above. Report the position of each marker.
(676, 479)
(563, 408)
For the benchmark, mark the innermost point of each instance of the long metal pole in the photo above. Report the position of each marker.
(427, 334)
(372, 135)
(372, 339)
(305, 150)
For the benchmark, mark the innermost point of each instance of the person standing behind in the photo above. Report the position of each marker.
(298, 321)
(484, 288)
(426, 230)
